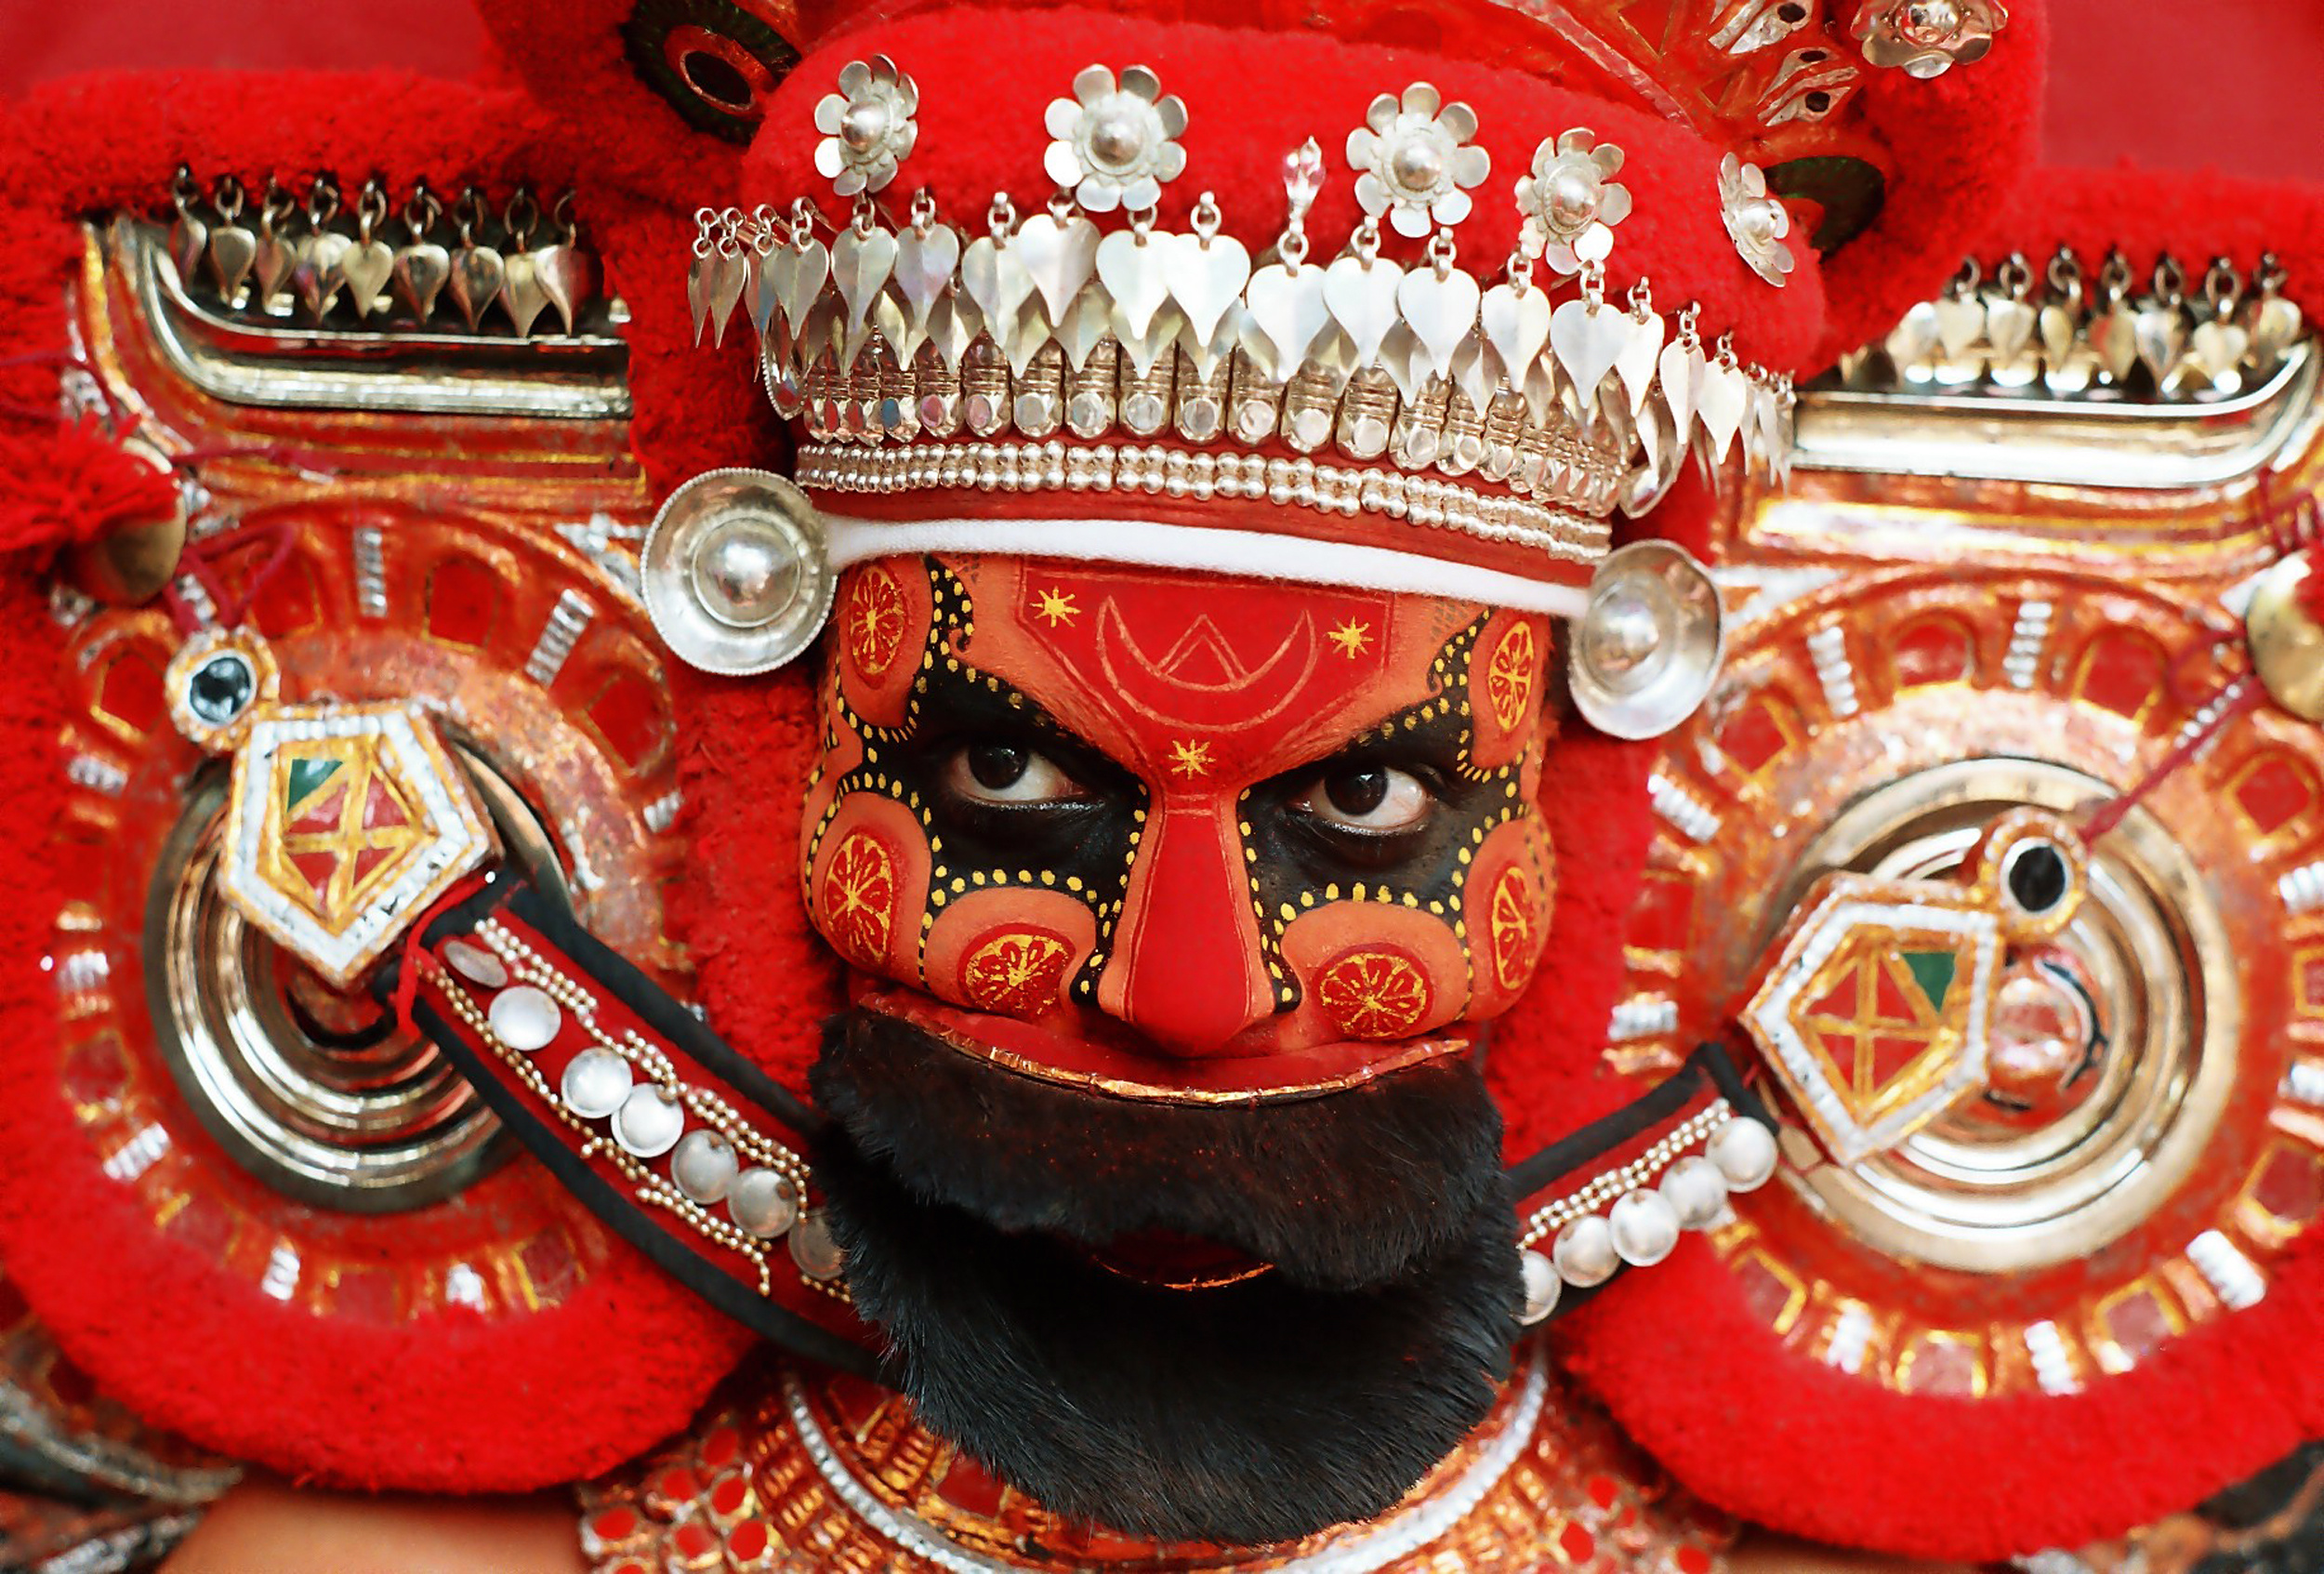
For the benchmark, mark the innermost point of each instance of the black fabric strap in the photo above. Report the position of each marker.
(619, 1213)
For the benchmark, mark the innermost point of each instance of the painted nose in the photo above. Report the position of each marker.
(1185, 970)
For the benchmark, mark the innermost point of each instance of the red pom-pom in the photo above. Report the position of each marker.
(67, 484)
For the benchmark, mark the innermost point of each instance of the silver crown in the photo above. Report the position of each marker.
(1043, 328)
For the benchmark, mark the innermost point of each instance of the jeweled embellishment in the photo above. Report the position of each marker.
(1877, 1003)
(1414, 162)
(1928, 38)
(1571, 201)
(344, 822)
(1756, 223)
(867, 125)
(1116, 141)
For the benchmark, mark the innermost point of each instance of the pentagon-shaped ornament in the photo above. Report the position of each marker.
(1875, 1004)
(344, 822)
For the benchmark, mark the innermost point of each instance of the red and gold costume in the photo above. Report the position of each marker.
(1020, 699)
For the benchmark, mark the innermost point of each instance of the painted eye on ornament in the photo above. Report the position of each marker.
(1010, 775)
(1370, 799)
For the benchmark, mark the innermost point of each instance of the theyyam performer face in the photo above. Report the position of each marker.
(1180, 905)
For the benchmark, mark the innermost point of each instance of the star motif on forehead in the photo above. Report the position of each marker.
(1189, 759)
(1056, 608)
(1352, 638)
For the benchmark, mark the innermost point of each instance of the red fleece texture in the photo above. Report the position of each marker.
(454, 1402)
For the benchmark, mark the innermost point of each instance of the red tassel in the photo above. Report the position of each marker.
(72, 483)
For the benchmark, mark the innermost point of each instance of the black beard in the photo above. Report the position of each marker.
(1264, 1410)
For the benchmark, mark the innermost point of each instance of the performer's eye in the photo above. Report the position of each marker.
(1370, 799)
(1010, 775)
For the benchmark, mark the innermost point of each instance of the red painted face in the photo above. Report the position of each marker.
(1177, 834)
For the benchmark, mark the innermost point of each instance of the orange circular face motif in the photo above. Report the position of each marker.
(874, 623)
(1509, 919)
(1374, 994)
(1017, 972)
(859, 898)
(1509, 676)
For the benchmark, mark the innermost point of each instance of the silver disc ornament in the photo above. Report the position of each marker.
(735, 576)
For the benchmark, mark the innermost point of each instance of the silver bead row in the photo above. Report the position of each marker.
(528, 965)
(647, 1186)
(1641, 1172)
(1044, 466)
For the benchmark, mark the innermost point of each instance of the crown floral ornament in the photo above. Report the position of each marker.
(1928, 37)
(868, 127)
(1571, 201)
(1756, 221)
(1116, 142)
(1413, 160)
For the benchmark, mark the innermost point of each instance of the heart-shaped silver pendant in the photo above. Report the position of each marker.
(1362, 296)
(2161, 334)
(476, 274)
(1205, 354)
(1205, 278)
(1763, 437)
(418, 276)
(798, 273)
(1440, 310)
(1144, 349)
(2272, 324)
(1474, 373)
(1286, 306)
(1134, 274)
(2009, 326)
(713, 286)
(1084, 327)
(1959, 323)
(1635, 364)
(996, 279)
(1587, 340)
(924, 266)
(861, 262)
(1725, 400)
(1678, 374)
(1914, 339)
(568, 276)
(2058, 327)
(1060, 254)
(2219, 348)
(1516, 326)
(366, 267)
(189, 243)
(2114, 336)
(523, 299)
(315, 276)
(953, 326)
(233, 250)
(272, 270)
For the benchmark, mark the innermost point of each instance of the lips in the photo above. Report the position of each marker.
(1122, 1070)
(1169, 1261)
